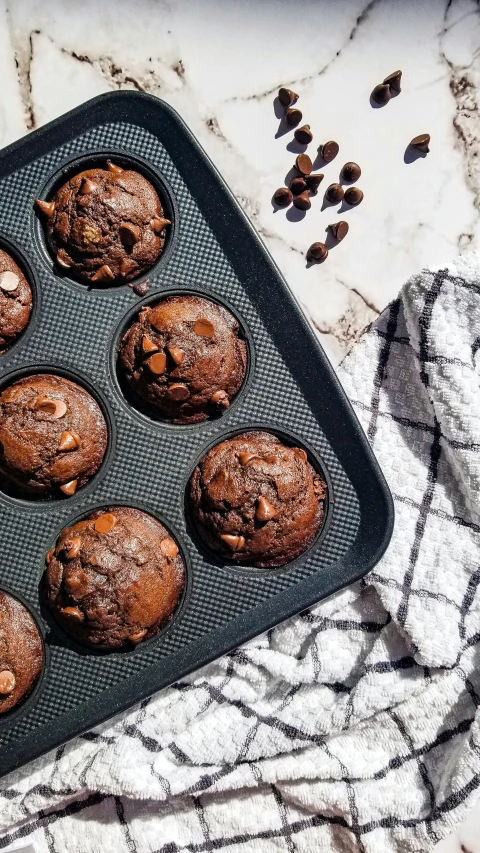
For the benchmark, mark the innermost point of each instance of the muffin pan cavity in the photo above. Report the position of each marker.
(289, 389)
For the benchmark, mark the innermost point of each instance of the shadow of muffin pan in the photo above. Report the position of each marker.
(272, 375)
(23, 323)
(39, 435)
(158, 346)
(104, 202)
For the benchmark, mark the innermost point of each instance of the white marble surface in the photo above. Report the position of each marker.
(220, 62)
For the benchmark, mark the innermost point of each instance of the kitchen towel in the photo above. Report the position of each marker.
(355, 725)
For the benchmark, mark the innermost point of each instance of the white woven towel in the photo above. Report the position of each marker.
(353, 726)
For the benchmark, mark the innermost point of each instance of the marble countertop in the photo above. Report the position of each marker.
(220, 65)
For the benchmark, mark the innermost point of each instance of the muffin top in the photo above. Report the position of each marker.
(183, 358)
(105, 226)
(53, 435)
(256, 500)
(15, 300)
(21, 652)
(115, 578)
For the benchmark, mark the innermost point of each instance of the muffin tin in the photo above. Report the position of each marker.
(290, 389)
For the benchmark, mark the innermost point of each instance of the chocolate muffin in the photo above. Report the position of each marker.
(15, 300)
(183, 358)
(115, 578)
(257, 501)
(105, 225)
(53, 436)
(21, 652)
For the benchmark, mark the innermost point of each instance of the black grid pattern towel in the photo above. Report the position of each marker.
(354, 726)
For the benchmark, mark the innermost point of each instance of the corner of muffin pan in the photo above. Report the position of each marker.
(95, 159)
(42, 502)
(291, 439)
(57, 636)
(22, 259)
(32, 698)
(135, 408)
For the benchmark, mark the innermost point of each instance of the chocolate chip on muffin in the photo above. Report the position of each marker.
(183, 358)
(15, 300)
(21, 652)
(255, 500)
(53, 436)
(115, 578)
(105, 226)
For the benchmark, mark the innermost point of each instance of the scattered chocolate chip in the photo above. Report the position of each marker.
(159, 223)
(204, 328)
(317, 252)
(148, 346)
(334, 193)
(302, 201)
(105, 523)
(127, 265)
(157, 363)
(299, 452)
(235, 543)
(9, 281)
(7, 682)
(244, 457)
(282, 197)
(328, 151)
(87, 186)
(353, 196)
(72, 547)
(393, 80)
(46, 207)
(350, 172)
(286, 96)
(220, 399)
(339, 229)
(141, 289)
(74, 613)
(138, 636)
(175, 354)
(298, 185)
(381, 93)
(169, 548)
(303, 164)
(421, 143)
(103, 274)
(55, 408)
(129, 233)
(178, 391)
(313, 182)
(63, 260)
(293, 116)
(264, 510)
(49, 555)
(303, 134)
(69, 440)
(69, 488)
(115, 170)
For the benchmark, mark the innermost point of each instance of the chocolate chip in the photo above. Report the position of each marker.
(69, 440)
(49, 556)
(298, 185)
(56, 408)
(9, 281)
(286, 96)
(169, 548)
(127, 265)
(105, 523)
(351, 172)
(353, 196)
(339, 229)
(329, 150)
(138, 636)
(421, 143)
(141, 289)
(303, 134)
(129, 233)
(381, 93)
(303, 164)
(264, 510)
(282, 197)
(293, 116)
(244, 457)
(159, 223)
(178, 391)
(69, 488)
(300, 453)
(63, 260)
(204, 328)
(72, 547)
(393, 80)
(114, 169)
(46, 207)
(87, 186)
(302, 201)
(235, 543)
(334, 193)
(175, 354)
(103, 274)
(317, 252)
(74, 613)
(7, 682)
(220, 399)
(157, 363)
(313, 182)
(148, 346)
